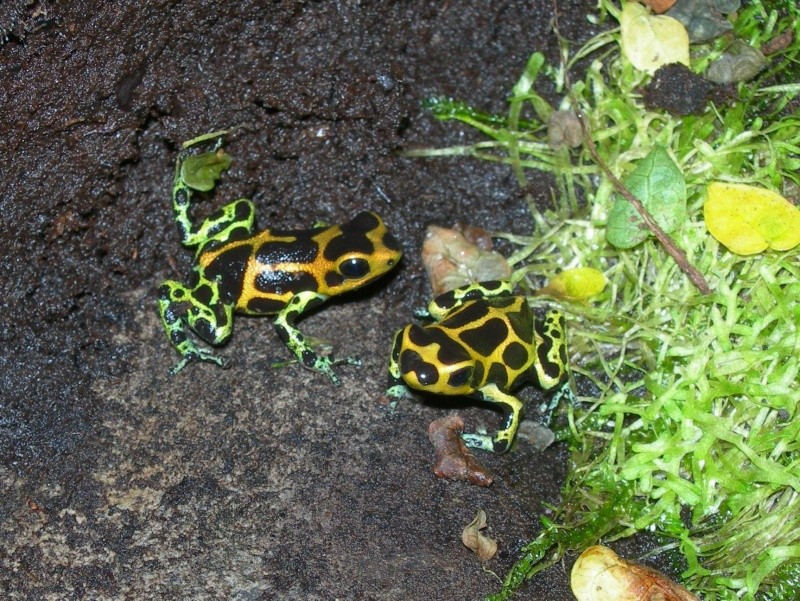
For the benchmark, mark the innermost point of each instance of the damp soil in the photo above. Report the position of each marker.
(120, 481)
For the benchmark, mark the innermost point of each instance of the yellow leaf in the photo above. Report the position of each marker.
(750, 220)
(576, 284)
(650, 41)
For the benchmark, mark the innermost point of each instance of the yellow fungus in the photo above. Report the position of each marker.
(576, 284)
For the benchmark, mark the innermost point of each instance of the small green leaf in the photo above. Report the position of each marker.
(201, 171)
(659, 185)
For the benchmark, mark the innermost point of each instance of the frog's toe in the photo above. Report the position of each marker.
(199, 355)
(479, 441)
(179, 366)
(348, 361)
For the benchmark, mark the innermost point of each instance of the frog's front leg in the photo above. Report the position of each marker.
(396, 388)
(233, 221)
(512, 408)
(297, 342)
(440, 306)
(199, 310)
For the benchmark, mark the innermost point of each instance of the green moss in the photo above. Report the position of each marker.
(697, 405)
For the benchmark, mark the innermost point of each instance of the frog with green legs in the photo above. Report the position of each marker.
(484, 343)
(238, 269)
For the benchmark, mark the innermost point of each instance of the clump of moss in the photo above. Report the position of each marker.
(692, 432)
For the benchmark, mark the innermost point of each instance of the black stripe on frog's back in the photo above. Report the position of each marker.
(467, 314)
(448, 353)
(279, 282)
(227, 268)
(521, 320)
(287, 247)
(486, 337)
(353, 237)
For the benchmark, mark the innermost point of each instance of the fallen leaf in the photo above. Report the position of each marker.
(660, 186)
(451, 260)
(472, 537)
(478, 236)
(749, 220)
(201, 171)
(453, 459)
(650, 41)
(599, 574)
(579, 283)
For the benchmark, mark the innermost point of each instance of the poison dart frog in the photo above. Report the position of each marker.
(270, 272)
(483, 344)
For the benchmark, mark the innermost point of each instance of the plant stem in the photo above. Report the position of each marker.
(668, 243)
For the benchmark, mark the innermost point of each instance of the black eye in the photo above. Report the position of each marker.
(354, 269)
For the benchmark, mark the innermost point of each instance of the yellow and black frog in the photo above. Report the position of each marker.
(270, 272)
(484, 343)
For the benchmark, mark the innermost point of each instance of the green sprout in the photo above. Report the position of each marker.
(689, 425)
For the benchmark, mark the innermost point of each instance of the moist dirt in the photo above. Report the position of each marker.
(120, 481)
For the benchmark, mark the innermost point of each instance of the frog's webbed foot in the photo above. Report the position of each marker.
(200, 354)
(395, 392)
(512, 408)
(310, 353)
(324, 365)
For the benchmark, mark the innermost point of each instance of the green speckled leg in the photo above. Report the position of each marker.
(203, 171)
(396, 388)
(500, 442)
(447, 301)
(298, 343)
(180, 312)
(551, 337)
(564, 392)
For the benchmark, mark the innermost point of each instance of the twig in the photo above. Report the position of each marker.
(668, 243)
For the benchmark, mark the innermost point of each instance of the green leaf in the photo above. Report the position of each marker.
(200, 172)
(659, 185)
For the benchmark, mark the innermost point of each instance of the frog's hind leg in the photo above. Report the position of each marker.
(183, 309)
(396, 387)
(298, 343)
(512, 408)
(551, 370)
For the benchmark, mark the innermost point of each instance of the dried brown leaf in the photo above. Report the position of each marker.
(472, 537)
(453, 459)
(659, 6)
(451, 260)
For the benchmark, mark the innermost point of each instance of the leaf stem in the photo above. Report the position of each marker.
(667, 242)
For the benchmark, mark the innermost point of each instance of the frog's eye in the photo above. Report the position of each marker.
(354, 269)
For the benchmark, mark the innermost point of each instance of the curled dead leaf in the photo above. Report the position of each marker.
(453, 459)
(599, 574)
(451, 260)
(472, 537)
